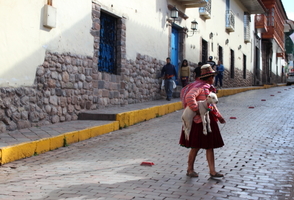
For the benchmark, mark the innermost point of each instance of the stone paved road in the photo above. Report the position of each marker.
(257, 159)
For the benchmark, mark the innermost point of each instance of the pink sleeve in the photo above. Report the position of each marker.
(190, 98)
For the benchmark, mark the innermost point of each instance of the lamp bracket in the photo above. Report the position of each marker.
(170, 20)
(186, 31)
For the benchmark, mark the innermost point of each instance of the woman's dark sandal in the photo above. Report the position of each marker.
(216, 175)
(192, 174)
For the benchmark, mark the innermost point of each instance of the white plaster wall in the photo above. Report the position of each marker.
(24, 40)
(193, 41)
(216, 25)
(276, 61)
(147, 32)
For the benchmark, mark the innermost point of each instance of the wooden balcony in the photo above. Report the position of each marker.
(282, 55)
(261, 23)
(274, 29)
(272, 23)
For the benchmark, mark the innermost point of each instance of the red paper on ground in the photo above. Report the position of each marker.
(147, 163)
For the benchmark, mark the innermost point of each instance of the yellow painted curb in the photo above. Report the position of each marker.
(28, 149)
(56, 142)
(130, 118)
(43, 145)
(12, 153)
(228, 92)
(24, 150)
(71, 137)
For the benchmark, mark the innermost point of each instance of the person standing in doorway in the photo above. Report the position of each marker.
(185, 73)
(220, 74)
(211, 62)
(167, 73)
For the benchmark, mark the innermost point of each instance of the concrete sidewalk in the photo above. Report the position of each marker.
(24, 143)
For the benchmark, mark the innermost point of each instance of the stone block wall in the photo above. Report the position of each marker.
(64, 85)
(140, 79)
(67, 84)
(238, 80)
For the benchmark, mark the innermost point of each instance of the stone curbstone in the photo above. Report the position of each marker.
(125, 119)
(17, 152)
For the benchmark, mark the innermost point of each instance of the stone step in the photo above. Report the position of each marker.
(96, 116)
(109, 113)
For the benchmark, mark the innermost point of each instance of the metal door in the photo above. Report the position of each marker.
(175, 48)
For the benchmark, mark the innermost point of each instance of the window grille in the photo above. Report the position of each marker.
(230, 20)
(206, 10)
(246, 21)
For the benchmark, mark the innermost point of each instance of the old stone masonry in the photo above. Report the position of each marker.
(66, 84)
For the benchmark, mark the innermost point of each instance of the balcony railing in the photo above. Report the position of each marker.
(206, 10)
(246, 21)
(246, 34)
(230, 21)
(261, 22)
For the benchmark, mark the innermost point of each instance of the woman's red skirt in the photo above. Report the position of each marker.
(197, 139)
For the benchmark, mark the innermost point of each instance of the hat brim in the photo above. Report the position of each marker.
(207, 75)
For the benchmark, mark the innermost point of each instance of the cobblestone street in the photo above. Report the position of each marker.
(257, 159)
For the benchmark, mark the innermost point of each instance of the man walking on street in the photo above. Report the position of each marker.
(220, 74)
(167, 73)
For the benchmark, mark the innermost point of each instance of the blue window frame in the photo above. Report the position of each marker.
(107, 46)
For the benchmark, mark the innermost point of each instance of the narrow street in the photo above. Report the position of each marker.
(257, 159)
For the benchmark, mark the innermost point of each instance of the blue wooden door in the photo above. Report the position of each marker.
(107, 46)
(175, 48)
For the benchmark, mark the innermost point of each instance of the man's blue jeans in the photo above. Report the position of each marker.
(168, 86)
(218, 78)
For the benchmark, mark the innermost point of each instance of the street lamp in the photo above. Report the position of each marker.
(174, 13)
(194, 27)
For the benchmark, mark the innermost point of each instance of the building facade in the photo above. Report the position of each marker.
(289, 46)
(59, 58)
(270, 28)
